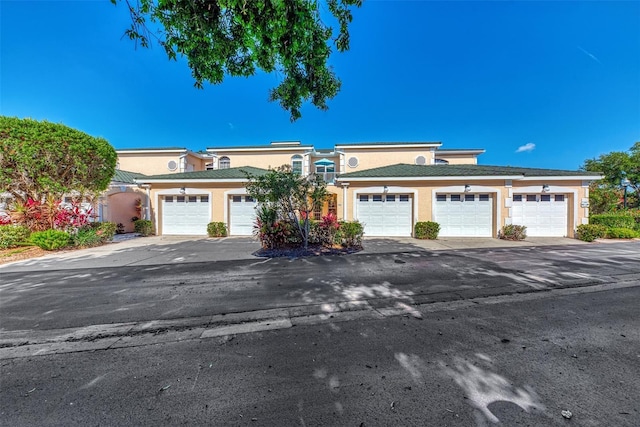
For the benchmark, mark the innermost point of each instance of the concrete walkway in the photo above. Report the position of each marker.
(163, 250)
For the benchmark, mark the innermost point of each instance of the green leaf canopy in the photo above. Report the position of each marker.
(43, 159)
(236, 37)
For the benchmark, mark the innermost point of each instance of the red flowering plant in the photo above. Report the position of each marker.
(72, 217)
(328, 228)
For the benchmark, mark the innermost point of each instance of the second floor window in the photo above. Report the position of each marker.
(296, 164)
(224, 163)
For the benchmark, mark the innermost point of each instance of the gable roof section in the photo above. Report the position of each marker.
(405, 171)
(126, 177)
(231, 174)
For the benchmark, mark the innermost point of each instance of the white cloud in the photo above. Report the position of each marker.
(529, 146)
(231, 126)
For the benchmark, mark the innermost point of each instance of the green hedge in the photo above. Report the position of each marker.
(217, 229)
(51, 240)
(614, 220)
(622, 233)
(426, 230)
(143, 226)
(13, 235)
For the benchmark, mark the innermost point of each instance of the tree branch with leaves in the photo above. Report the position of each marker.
(237, 37)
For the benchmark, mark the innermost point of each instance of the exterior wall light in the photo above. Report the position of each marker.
(545, 188)
(182, 190)
(385, 189)
(467, 188)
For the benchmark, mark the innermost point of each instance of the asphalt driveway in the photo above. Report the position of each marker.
(175, 250)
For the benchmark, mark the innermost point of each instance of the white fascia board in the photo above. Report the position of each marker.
(215, 151)
(149, 151)
(186, 181)
(459, 152)
(436, 178)
(414, 145)
(562, 178)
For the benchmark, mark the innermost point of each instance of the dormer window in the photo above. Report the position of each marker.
(440, 162)
(224, 163)
(296, 164)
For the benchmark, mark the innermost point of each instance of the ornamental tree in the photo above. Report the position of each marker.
(238, 37)
(616, 166)
(289, 197)
(41, 161)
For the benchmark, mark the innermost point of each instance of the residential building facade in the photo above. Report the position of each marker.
(388, 186)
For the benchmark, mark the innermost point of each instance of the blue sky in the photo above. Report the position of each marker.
(559, 80)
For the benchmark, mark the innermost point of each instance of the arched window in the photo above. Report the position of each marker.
(440, 162)
(224, 163)
(296, 164)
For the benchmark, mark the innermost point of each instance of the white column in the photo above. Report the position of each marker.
(345, 187)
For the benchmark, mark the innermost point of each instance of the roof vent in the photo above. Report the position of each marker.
(421, 160)
(352, 162)
(172, 165)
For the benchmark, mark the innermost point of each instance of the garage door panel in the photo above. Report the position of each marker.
(242, 215)
(385, 214)
(185, 215)
(464, 215)
(544, 215)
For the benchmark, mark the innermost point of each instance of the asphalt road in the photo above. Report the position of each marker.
(409, 338)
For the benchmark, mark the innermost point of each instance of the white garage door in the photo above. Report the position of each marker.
(185, 215)
(543, 214)
(242, 215)
(464, 215)
(385, 214)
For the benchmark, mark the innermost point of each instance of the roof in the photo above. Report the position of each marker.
(126, 176)
(218, 174)
(348, 144)
(274, 147)
(427, 171)
(153, 149)
(459, 150)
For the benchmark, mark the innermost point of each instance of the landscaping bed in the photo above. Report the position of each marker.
(21, 254)
(312, 250)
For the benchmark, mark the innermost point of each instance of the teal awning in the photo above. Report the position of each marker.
(324, 162)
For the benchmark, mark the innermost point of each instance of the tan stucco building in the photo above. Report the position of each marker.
(388, 186)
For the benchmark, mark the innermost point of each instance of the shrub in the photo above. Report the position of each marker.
(590, 232)
(614, 220)
(13, 235)
(86, 237)
(143, 226)
(426, 230)
(50, 240)
(106, 230)
(325, 231)
(513, 232)
(621, 233)
(350, 234)
(217, 229)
